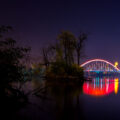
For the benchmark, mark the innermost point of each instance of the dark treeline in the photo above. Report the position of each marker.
(63, 58)
(59, 59)
(11, 72)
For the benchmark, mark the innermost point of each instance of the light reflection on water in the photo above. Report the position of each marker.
(101, 86)
(101, 98)
(98, 99)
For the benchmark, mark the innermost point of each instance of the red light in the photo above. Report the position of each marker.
(98, 90)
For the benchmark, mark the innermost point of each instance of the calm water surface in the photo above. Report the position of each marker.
(95, 100)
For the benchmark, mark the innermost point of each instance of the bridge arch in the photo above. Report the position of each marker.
(99, 60)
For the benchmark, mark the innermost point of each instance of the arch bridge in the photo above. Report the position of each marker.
(99, 65)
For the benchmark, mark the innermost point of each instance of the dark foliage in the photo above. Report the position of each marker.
(11, 69)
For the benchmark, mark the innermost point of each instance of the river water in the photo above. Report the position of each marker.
(98, 99)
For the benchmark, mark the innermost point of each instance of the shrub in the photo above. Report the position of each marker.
(62, 69)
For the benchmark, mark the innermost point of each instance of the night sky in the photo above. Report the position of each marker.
(37, 23)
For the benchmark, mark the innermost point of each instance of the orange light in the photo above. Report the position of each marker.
(116, 64)
(116, 84)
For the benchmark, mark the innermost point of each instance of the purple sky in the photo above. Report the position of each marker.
(37, 23)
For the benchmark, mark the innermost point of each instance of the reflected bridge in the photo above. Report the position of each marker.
(101, 86)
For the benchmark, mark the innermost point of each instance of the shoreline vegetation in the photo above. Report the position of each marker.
(62, 59)
(61, 64)
(12, 56)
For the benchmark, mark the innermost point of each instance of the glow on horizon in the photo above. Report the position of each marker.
(100, 60)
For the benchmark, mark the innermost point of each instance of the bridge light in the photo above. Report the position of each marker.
(116, 64)
(103, 66)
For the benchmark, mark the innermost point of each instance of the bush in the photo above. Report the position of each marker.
(62, 69)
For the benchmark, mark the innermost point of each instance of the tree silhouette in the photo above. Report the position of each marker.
(11, 68)
(79, 46)
(67, 41)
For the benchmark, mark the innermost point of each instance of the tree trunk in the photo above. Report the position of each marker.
(78, 57)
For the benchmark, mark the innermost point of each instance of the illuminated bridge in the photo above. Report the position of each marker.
(99, 65)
